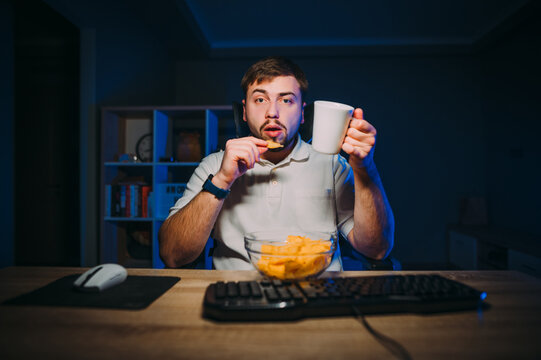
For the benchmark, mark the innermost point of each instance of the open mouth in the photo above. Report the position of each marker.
(273, 130)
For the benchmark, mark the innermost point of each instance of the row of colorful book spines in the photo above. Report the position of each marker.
(128, 200)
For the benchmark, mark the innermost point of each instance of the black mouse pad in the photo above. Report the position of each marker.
(136, 292)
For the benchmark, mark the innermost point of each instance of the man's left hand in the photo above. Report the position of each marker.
(360, 141)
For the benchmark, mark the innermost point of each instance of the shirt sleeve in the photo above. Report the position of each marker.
(345, 194)
(209, 165)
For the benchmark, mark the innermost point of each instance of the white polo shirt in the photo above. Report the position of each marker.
(296, 193)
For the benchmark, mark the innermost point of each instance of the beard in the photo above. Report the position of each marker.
(286, 140)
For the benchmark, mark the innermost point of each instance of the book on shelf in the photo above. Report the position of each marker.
(124, 199)
(127, 200)
(115, 206)
(145, 190)
(132, 200)
(108, 200)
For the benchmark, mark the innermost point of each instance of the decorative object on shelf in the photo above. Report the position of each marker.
(188, 147)
(167, 159)
(144, 148)
(127, 158)
(138, 241)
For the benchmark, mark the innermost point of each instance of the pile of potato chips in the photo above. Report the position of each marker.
(298, 258)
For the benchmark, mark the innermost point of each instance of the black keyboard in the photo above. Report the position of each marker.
(337, 296)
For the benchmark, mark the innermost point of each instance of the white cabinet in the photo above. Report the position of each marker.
(520, 261)
(491, 248)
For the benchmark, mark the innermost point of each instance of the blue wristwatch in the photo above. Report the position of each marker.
(214, 190)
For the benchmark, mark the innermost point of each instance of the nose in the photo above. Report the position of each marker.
(272, 111)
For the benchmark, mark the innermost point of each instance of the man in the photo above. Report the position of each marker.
(249, 187)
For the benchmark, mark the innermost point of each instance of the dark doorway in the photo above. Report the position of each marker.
(46, 137)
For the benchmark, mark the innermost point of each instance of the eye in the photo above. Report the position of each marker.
(287, 101)
(259, 100)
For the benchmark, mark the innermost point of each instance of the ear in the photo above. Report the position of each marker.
(302, 113)
(244, 109)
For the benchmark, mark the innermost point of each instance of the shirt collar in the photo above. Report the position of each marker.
(300, 151)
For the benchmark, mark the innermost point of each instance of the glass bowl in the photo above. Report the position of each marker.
(290, 254)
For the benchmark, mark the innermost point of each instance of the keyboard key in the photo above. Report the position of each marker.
(335, 294)
(220, 289)
(232, 290)
(283, 293)
(244, 288)
(271, 294)
(296, 293)
(255, 290)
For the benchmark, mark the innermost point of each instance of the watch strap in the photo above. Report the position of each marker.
(214, 190)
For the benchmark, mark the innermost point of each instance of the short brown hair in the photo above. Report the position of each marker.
(268, 68)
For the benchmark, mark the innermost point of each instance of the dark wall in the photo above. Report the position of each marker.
(132, 63)
(132, 67)
(512, 100)
(7, 253)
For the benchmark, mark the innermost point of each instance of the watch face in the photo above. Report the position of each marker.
(144, 148)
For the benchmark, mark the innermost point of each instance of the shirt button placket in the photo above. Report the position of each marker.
(274, 190)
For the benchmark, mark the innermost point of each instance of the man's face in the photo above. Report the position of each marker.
(274, 109)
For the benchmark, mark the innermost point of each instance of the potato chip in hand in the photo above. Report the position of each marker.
(273, 145)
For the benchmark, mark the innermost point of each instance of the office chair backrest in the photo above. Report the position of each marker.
(241, 128)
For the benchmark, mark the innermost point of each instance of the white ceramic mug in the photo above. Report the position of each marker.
(331, 121)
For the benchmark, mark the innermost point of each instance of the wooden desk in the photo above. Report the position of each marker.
(172, 327)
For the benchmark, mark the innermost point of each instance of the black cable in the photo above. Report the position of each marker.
(392, 345)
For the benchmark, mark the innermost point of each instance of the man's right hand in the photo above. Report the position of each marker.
(240, 156)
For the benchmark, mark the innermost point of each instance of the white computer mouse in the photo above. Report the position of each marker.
(100, 278)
